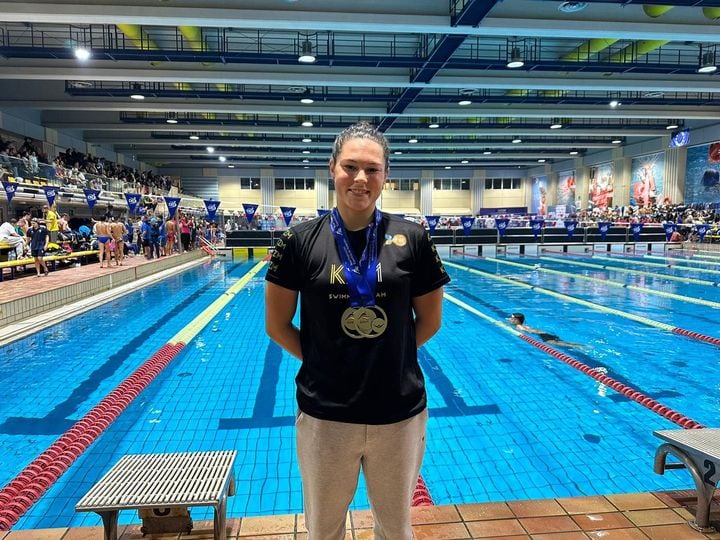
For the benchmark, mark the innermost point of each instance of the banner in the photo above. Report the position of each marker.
(132, 201)
(432, 222)
(173, 203)
(604, 227)
(702, 230)
(501, 225)
(212, 207)
(636, 229)
(250, 210)
(570, 226)
(536, 225)
(91, 196)
(322, 211)
(10, 188)
(467, 223)
(288, 212)
(669, 227)
(50, 193)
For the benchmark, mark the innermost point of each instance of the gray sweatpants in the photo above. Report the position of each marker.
(331, 455)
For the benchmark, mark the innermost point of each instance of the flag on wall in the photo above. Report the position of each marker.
(10, 188)
(501, 224)
(173, 203)
(570, 227)
(604, 227)
(702, 230)
(91, 196)
(467, 223)
(669, 227)
(432, 222)
(212, 208)
(50, 193)
(288, 212)
(250, 210)
(636, 229)
(536, 225)
(132, 201)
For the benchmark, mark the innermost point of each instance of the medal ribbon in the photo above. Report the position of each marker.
(361, 275)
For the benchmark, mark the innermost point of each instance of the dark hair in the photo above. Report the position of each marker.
(520, 317)
(361, 130)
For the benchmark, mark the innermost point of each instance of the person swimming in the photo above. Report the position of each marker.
(518, 321)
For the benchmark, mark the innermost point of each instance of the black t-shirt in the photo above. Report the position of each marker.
(358, 368)
(37, 237)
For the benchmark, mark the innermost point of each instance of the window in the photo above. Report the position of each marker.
(279, 184)
(452, 184)
(249, 183)
(503, 183)
(507, 182)
(294, 183)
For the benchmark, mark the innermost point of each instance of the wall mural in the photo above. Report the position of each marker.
(702, 176)
(602, 186)
(648, 178)
(538, 200)
(566, 191)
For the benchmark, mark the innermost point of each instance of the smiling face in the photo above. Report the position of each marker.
(359, 173)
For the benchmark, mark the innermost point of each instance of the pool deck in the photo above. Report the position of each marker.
(656, 516)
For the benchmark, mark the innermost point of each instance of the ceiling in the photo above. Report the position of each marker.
(227, 72)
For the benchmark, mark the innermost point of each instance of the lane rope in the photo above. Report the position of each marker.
(628, 391)
(592, 305)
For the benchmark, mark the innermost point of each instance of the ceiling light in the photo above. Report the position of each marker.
(574, 152)
(306, 151)
(464, 102)
(672, 125)
(556, 124)
(464, 162)
(616, 141)
(222, 158)
(306, 167)
(210, 149)
(541, 161)
(307, 123)
(413, 140)
(448, 167)
(397, 152)
(194, 137)
(707, 63)
(171, 120)
(487, 153)
(306, 161)
(516, 140)
(307, 98)
(137, 96)
(231, 166)
(82, 54)
(433, 125)
(516, 60)
(614, 103)
(307, 139)
(306, 53)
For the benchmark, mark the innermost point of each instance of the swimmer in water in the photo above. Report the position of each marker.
(518, 321)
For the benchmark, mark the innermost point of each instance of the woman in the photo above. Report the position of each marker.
(370, 288)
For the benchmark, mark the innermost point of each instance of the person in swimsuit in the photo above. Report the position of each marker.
(518, 321)
(102, 231)
(117, 231)
(169, 236)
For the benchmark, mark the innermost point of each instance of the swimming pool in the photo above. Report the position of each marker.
(507, 421)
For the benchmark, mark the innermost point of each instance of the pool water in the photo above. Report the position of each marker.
(507, 420)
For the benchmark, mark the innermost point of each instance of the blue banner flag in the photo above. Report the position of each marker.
(501, 224)
(432, 222)
(10, 188)
(212, 208)
(250, 210)
(702, 230)
(322, 211)
(173, 203)
(669, 227)
(50, 193)
(467, 223)
(536, 225)
(91, 196)
(570, 227)
(288, 212)
(636, 229)
(604, 227)
(133, 199)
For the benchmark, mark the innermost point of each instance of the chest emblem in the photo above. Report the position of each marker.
(399, 240)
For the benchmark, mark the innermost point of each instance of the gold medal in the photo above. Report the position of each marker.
(364, 322)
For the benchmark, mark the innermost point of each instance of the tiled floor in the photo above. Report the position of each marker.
(656, 516)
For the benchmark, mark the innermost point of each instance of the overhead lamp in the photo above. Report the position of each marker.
(412, 140)
(307, 98)
(556, 124)
(306, 53)
(306, 167)
(231, 166)
(306, 139)
(464, 162)
(487, 153)
(464, 102)
(306, 151)
(672, 125)
(82, 53)
(516, 60)
(707, 63)
(542, 160)
(210, 149)
(614, 103)
(397, 152)
(516, 140)
(448, 167)
(194, 138)
(137, 92)
(574, 152)
(171, 120)
(222, 158)
(306, 161)
(433, 125)
(616, 141)
(307, 123)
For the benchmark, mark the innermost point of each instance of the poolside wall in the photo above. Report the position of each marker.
(34, 304)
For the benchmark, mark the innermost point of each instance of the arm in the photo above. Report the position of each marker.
(280, 306)
(428, 315)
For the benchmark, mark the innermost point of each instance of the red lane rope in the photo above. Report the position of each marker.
(647, 402)
(28, 486)
(421, 497)
(696, 335)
